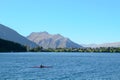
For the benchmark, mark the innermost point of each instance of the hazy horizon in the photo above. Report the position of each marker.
(84, 22)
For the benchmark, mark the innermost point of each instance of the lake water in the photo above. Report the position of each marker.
(65, 66)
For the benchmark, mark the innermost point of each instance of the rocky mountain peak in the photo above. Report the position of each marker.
(47, 40)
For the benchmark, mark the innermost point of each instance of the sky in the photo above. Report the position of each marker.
(83, 21)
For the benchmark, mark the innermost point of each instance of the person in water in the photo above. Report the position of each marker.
(41, 66)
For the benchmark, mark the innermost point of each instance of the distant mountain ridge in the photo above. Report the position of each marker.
(47, 40)
(113, 44)
(11, 35)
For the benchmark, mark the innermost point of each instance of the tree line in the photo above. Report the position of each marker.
(9, 46)
(100, 50)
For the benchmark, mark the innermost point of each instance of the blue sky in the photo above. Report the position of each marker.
(83, 21)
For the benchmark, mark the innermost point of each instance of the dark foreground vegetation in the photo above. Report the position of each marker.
(99, 50)
(8, 46)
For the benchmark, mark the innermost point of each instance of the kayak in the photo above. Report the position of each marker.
(41, 67)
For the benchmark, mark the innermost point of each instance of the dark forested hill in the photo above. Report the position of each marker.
(8, 46)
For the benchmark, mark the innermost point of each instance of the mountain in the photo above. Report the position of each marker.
(8, 46)
(89, 45)
(47, 40)
(11, 35)
(114, 44)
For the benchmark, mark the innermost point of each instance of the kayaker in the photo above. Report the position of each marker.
(41, 66)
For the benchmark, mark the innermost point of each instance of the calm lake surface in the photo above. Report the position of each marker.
(65, 66)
